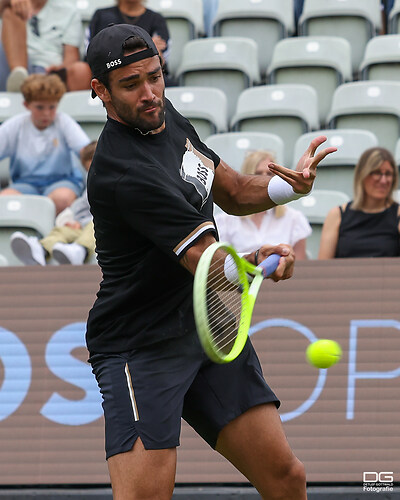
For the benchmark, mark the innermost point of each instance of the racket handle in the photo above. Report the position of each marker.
(269, 265)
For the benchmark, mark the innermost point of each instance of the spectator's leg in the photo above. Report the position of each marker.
(13, 35)
(62, 198)
(86, 239)
(9, 192)
(63, 234)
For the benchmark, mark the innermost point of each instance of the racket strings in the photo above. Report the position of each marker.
(224, 304)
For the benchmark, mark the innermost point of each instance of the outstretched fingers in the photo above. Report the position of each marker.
(321, 155)
(283, 172)
(314, 144)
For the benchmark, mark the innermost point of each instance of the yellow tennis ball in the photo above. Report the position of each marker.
(323, 353)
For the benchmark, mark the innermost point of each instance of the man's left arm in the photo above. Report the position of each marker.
(245, 194)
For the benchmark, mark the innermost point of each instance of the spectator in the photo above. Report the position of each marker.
(281, 224)
(131, 12)
(41, 145)
(40, 36)
(71, 241)
(368, 226)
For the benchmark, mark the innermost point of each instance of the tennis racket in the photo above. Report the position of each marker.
(224, 293)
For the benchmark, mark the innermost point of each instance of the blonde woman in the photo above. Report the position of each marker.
(281, 224)
(368, 226)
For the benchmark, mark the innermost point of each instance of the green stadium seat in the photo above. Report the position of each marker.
(355, 20)
(204, 107)
(227, 63)
(88, 112)
(232, 147)
(185, 22)
(266, 22)
(368, 105)
(336, 171)
(394, 18)
(288, 111)
(382, 59)
(33, 215)
(11, 103)
(322, 62)
(87, 8)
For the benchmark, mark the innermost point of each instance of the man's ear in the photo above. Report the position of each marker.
(101, 90)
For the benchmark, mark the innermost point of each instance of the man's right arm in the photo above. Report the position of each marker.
(284, 270)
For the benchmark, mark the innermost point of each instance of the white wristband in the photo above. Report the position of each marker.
(230, 270)
(281, 192)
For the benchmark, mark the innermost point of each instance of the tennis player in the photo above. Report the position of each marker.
(151, 188)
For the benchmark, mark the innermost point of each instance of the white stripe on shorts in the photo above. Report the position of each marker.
(131, 392)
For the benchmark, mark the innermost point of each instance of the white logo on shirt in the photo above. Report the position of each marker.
(198, 170)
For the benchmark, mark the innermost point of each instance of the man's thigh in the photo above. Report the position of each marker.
(143, 393)
(222, 392)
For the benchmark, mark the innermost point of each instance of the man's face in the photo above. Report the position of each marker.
(137, 95)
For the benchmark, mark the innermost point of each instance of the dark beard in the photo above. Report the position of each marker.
(143, 126)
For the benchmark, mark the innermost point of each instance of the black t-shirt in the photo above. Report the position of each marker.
(153, 22)
(150, 196)
(363, 234)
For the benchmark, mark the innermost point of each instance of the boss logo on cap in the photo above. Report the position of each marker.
(111, 64)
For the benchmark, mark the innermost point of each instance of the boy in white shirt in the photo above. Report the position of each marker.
(42, 143)
(71, 241)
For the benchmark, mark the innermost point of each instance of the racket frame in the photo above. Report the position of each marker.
(248, 298)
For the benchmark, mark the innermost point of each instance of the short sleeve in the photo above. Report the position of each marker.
(75, 137)
(224, 225)
(160, 212)
(301, 227)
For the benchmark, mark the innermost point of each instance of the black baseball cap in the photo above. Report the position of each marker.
(106, 49)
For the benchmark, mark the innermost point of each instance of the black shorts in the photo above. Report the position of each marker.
(146, 392)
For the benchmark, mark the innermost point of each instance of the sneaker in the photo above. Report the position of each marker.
(16, 78)
(69, 253)
(28, 249)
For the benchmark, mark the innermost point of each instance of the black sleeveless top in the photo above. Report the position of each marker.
(364, 234)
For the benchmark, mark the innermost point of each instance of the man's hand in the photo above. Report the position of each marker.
(302, 179)
(286, 263)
